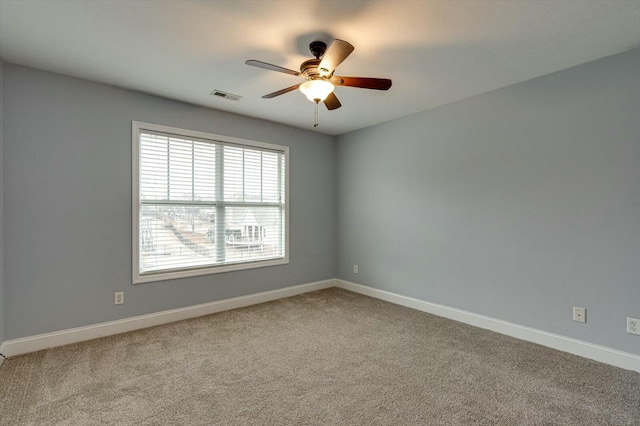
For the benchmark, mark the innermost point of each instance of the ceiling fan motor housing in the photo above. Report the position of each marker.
(309, 69)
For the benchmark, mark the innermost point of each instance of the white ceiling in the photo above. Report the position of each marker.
(436, 52)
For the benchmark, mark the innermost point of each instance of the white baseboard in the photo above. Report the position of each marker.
(581, 348)
(73, 335)
(577, 347)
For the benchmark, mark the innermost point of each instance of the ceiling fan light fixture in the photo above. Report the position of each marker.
(317, 90)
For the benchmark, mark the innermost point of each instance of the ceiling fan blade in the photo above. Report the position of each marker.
(363, 82)
(335, 54)
(281, 92)
(270, 67)
(332, 102)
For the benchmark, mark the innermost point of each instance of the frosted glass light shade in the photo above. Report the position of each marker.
(316, 90)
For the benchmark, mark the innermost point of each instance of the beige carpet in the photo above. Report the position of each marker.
(325, 358)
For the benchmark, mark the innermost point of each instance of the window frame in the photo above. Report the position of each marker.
(138, 127)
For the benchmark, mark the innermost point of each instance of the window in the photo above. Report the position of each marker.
(204, 203)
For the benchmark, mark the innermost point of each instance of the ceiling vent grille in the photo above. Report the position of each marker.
(225, 95)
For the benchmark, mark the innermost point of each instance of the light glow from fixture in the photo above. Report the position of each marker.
(316, 90)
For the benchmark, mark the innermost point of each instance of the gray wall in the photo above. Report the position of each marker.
(516, 204)
(1, 210)
(68, 203)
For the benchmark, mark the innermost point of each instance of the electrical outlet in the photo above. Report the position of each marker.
(633, 325)
(355, 269)
(579, 314)
(118, 298)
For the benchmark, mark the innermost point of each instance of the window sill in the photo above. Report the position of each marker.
(171, 275)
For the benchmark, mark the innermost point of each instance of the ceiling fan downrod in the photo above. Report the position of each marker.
(317, 48)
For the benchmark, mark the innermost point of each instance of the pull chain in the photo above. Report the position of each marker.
(315, 115)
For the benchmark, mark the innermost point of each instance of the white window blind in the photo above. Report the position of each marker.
(206, 203)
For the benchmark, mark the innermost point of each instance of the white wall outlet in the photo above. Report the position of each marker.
(579, 314)
(633, 325)
(118, 298)
(355, 269)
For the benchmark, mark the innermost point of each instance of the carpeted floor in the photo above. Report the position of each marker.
(330, 357)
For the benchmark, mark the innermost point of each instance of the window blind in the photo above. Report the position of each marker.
(207, 203)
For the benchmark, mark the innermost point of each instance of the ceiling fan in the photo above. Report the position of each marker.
(318, 73)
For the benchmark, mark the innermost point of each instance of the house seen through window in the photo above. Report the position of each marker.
(206, 203)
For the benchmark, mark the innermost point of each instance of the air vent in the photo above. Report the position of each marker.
(226, 95)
